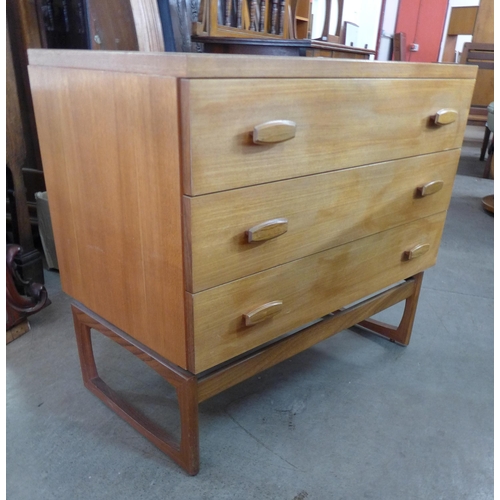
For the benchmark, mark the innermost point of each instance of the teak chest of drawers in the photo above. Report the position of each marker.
(204, 207)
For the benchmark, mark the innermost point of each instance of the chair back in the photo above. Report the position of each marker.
(482, 55)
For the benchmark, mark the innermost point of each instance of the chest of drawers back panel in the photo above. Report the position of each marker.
(153, 182)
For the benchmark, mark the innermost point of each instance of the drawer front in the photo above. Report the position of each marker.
(313, 214)
(320, 125)
(306, 289)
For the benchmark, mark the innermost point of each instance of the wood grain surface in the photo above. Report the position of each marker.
(110, 153)
(309, 288)
(185, 65)
(323, 211)
(214, 382)
(148, 25)
(484, 27)
(355, 122)
(484, 89)
(132, 248)
(462, 20)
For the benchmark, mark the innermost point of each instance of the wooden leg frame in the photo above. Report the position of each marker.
(192, 389)
(186, 453)
(402, 333)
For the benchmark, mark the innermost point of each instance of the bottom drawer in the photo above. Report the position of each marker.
(233, 318)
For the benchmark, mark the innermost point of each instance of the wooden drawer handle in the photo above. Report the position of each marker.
(417, 251)
(263, 312)
(430, 188)
(275, 131)
(267, 230)
(445, 116)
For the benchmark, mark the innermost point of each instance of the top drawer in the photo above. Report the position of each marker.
(338, 124)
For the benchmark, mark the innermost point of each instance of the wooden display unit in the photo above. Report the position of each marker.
(302, 19)
(206, 206)
(244, 18)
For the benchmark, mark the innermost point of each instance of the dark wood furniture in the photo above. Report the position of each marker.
(247, 18)
(24, 166)
(79, 24)
(20, 306)
(273, 19)
(260, 46)
(206, 206)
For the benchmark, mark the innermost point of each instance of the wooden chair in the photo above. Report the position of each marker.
(482, 55)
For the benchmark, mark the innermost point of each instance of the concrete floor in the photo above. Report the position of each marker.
(354, 417)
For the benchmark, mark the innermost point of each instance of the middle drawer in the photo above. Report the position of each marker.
(318, 212)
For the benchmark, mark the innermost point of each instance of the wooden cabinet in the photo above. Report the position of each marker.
(204, 207)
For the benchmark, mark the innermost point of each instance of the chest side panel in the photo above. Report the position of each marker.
(109, 144)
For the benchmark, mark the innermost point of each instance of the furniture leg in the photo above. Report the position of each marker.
(192, 390)
(185, 453)
(402, 333)
(487, 174)
(486, 140)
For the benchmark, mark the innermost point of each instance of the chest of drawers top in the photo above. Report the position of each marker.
(156, 181)
(201, 66)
